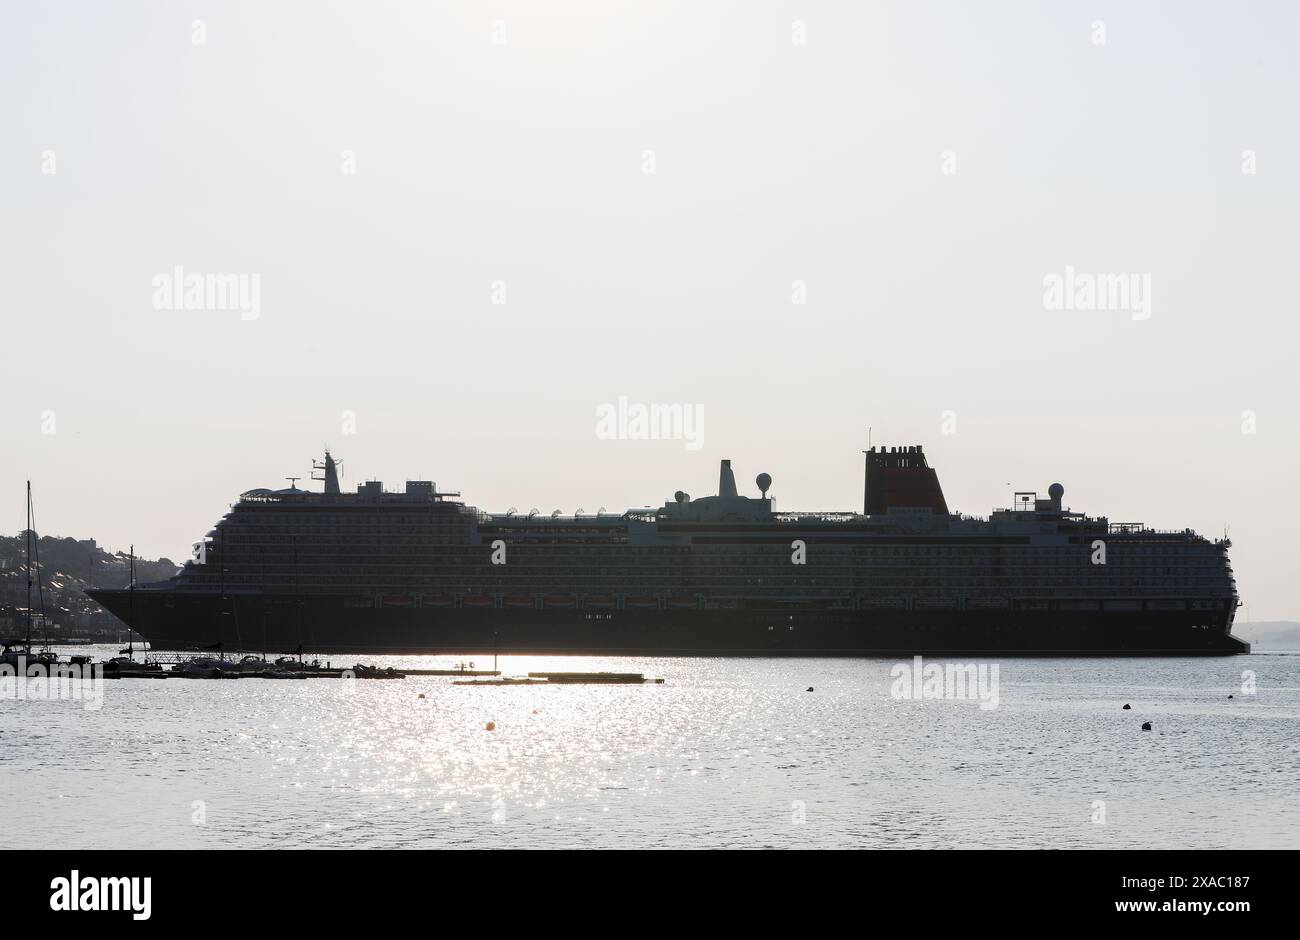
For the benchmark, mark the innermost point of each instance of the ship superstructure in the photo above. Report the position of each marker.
(420, 571)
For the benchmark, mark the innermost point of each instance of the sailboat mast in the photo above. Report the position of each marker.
(130, 627)
(29, 563)
(34, 567)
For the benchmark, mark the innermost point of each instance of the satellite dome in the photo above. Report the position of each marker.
(764, 480)
(679, 496)
(1056, 491)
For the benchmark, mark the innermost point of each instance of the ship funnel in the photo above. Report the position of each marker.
(901, 477)
(726, 480)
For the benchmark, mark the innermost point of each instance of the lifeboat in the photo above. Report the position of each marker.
(560, 600)
(476, 600)
(935, 603)
(683, 601)
(599, 600)
(519, 601)
(399, 600)
(1081, 605)
(436, 600)
(641, 600)
(884, 603)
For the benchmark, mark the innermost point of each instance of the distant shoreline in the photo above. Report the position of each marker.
(1269, 635)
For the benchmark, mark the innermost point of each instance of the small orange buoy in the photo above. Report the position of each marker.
(421, 695)
(534, 711)
(491, 726)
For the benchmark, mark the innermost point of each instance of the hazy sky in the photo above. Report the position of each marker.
(919, 167)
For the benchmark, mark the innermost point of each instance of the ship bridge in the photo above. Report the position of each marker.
(415, 491)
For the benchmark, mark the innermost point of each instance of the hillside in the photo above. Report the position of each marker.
(1269, 634)
(67, 567)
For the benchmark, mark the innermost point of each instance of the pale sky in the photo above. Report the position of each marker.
(920, 167)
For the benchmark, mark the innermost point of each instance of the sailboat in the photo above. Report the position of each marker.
(18, 653)
(124, 666)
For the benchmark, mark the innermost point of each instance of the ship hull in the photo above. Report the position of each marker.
(326, 625)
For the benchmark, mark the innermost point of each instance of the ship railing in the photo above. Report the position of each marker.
(834, 515)
(585, 518)
(1143, 529)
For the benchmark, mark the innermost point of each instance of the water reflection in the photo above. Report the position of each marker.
(726, 753)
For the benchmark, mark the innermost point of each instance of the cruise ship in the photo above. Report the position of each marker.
(420, 571)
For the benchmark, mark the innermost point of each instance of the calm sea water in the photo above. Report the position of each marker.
(726, 753)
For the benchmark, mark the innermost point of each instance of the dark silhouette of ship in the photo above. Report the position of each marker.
(419, 571)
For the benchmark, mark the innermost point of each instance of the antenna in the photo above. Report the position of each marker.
(330, 469)
(293, 482)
